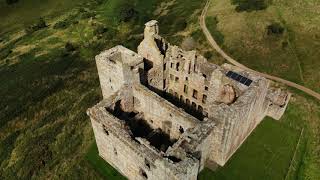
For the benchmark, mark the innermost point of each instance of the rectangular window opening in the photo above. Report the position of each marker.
(185, 90)
(195, 94)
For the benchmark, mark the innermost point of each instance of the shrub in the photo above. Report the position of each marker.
(275, 28)
(9, 2)
(212, 23)
(251, 5)
(69, 47)
(127, 13)
(37, 26)
(88, 14)
(208, 54)
(41, 23)
(61, 25)
(100, 30)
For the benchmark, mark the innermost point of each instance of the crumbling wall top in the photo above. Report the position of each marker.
(121, 54)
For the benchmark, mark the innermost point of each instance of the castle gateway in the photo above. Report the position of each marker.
(167, 113)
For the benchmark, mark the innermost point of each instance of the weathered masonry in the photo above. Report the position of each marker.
(167, 113)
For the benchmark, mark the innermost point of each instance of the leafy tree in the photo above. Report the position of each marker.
(251, 5)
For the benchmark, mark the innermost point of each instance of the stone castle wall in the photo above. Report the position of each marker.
(177, 94)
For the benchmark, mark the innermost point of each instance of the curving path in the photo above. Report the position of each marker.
(214, 44)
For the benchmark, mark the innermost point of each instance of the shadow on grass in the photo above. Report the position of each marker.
(33, 79)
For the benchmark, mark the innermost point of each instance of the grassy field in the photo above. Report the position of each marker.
(49, 79)
(292, 54)
(266, 154)
(26, 11)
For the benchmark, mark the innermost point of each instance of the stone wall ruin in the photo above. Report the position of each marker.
(167, 113)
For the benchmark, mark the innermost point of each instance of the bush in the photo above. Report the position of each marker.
(88, 14)
(127, 13)
(212, 23)
(208, 54)
(69, 47)
(100, 30)
(37, 26)
(251, 5)
(61, 25)
(9, 2)
(275, 28)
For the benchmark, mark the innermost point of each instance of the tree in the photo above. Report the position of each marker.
(9, 2)
(275, 28)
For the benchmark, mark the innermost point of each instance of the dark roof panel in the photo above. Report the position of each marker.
(239, 78)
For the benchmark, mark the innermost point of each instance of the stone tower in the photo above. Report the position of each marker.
(153, 48)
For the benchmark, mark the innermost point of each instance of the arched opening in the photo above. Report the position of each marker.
(194, 106)
(188, 102)
(200, 109)
(181, 99)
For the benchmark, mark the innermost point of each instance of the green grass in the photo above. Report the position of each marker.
(101, 165)
(266, 154)
(27, 11)
(292, 55)
(44, 130)
(212, 23)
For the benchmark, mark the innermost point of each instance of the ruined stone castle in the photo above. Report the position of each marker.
(167, 113)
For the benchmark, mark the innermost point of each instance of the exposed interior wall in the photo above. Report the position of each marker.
(188, 86)
(134, 158)
(162, 114)
(110, 75)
